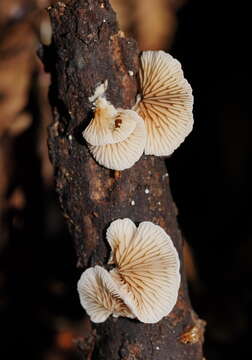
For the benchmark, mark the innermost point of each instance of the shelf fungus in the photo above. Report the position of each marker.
(146, 268)
(165, 102)
(116, 137)
(124, 154)
(145, 280)
(100, 295)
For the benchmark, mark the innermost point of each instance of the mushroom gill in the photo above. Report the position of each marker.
(100, 296)
(165, 102)
(146, 268)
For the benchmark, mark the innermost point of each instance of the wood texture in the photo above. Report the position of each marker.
(88, 49)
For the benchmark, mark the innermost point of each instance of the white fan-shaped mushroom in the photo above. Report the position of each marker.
(122, 155)
(109, 125)
(165, 103)
(147, 268)
(100, 296)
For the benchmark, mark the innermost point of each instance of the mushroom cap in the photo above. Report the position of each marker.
(166, 102)
(147, 268)
(100, 295)
(109, 125)
(124, 154)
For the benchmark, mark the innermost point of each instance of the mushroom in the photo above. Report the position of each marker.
(122, 155)
(146, 268)
(165, 102)
(146, 278)
(100, 295)
(115, 137)
(109, 125)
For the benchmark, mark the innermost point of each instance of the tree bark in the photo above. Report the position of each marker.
(88, 49)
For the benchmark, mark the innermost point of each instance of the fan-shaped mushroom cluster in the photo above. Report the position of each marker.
(145, 281)
(157, 124)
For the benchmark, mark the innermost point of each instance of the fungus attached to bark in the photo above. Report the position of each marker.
(100, 296)
(165, 102)
(109, 125)
(146, 268)
(145, 280)
(124, 154)
(116, 137)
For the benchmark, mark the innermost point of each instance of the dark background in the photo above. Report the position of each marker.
(211, 173)
(210, 181)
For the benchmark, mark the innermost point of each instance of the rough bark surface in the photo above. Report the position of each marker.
(87, 49)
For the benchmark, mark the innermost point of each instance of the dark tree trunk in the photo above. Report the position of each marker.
(88, 49)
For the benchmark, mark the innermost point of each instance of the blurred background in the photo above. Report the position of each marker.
(40, 315)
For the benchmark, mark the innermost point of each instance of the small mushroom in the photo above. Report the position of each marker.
(122, 155)
(109, 125)
(165, 102)
(146, 268)
(100, 295)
